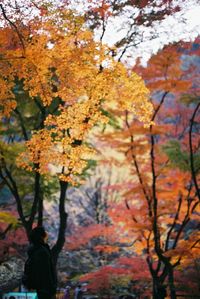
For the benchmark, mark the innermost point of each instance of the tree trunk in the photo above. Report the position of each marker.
(171, 282)
(40, 208)
(155, 288)
(63, 222)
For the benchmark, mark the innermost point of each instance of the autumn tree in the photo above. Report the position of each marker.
(159, 213)
(163, 200)
(122, 279)
(56, 83)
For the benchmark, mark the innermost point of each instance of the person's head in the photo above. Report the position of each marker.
(38, 235)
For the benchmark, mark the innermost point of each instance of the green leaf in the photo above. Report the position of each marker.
(188, 99)
(180, 158)
(113, 122)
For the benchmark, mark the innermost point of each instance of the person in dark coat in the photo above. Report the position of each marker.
(44, 273)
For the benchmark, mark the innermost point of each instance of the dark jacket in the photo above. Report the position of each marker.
(44, 271)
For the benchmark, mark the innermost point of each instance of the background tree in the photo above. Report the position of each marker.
(170, 198)
(160, 206)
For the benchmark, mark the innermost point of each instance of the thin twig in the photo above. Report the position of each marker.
(15, 27)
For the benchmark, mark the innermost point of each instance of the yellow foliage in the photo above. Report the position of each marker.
(6, 217)
(63, 61)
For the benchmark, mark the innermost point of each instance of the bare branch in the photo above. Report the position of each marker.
(15, 28)
(191, 150)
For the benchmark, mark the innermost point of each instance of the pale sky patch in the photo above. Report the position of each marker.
(169, 31)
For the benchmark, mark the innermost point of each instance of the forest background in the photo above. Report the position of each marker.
(100, 149)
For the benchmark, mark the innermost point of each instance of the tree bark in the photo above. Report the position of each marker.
(40, 208)
(155, 288)
(171, 282)
(63, 222)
